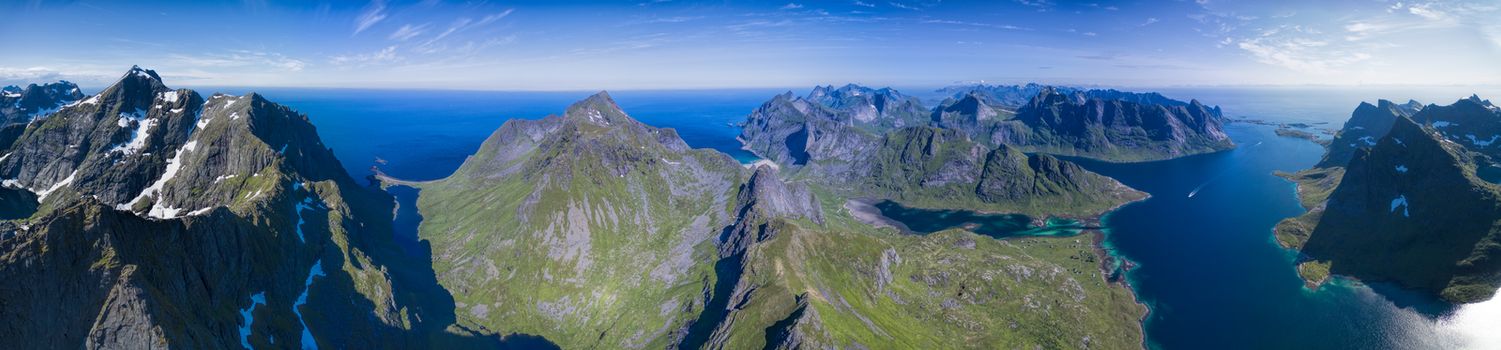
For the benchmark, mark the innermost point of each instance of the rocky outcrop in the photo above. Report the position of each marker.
(22, 105)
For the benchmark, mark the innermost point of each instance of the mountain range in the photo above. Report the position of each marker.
(145, 216)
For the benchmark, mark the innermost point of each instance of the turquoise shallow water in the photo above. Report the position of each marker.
(925, 221)
(1206, 265)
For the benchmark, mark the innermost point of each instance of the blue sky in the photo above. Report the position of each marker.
(656, 44)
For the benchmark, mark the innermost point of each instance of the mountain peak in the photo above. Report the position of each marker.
(142, 73)
(137, 82)
(599, 109)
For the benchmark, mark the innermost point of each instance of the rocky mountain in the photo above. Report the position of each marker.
(1076, 124)
(937, 168)
(878, 108)
(591, 229)
(1102, 124)
(925, 165)
(829, 123)
(21, 105)
(171, 220)
(1367, 124)
(1408, 207)
(1472, 122)
(1014, 96)
(1006, 96)
(160, 218)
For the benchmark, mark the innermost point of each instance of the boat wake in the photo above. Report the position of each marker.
(1196, 190)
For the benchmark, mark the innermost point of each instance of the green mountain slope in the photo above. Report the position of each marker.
(593, 230)
(590, 229)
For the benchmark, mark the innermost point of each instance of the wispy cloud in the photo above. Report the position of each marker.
(407, 31)
(1040, 5)
(903, 6)
(792, 6)
(1148, 22)
(385, 55)
(673, 19)
(373, 13)
(239, 58)
(436, 43)
(865, 4)
(975, 24)
(1300, 49)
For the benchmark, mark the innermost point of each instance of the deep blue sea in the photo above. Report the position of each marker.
(1206, 265)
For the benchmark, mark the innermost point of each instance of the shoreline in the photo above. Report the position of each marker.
(865, 212)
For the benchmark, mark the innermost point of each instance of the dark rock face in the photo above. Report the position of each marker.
(1366, 125)
(160, 213)
(1411, 210)
(879, 108)
(828, 124)
(1111, 129)
(1472, 122)
(795, 131)
(21, 105)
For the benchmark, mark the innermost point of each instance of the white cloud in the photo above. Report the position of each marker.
(1301, 54)
(373, 13)
(407, 31)
(1039, 4)
(436, 44)
(975, 24)
(385, 55)
(1149, 21)
(792, 6)
(903, 6)
(862, 3)
(1426, 11)
(238, 58)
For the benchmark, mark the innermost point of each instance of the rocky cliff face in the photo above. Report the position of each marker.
(170, 220)
(1366, 125)
(828, 124)
(1076, 124)
(794, 132)
(1407, 207)
(1472, 122)
(21, 105)
(877, 108)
